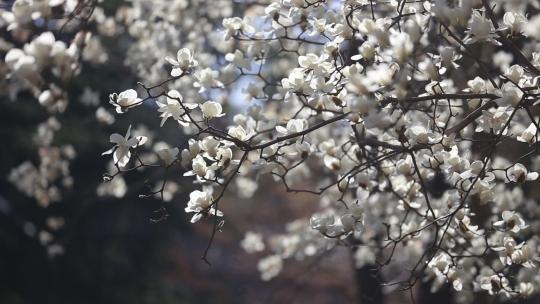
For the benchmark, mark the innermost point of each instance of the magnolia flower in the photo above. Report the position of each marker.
(480, 29)
(224, 155)
(331, 162)
(529, 134)
(41, 47)
(239, 132)
(321, 222)
(248, 186)
(210, 145)
(201, 202)
(183, 63)
(523, 256)
(526, 289)
(405, 166)
(419, 134)
(173, 107)
(352, 220)
(493, 119)
(237, 58)
(448, 57)
(428, 70)
(124, 100)
(366, 51)
(199, 167)
(211, 109)
(514, 22)
(104, 117)
(475, 169)
(20, 63)
(23, 9)
(519, 174)
(494, 284)
(270, 267)
(293, 126)
(440, 263)
(116, 187)
(254, 90)
(318, 26)
(477, 85)
(121, 153)
(168, 155)
(402, 46)
(207, 79)
(466, 228)
(187, 155)
(252, 242)
(235, 25)
(348, 223)
(511, 221)
(296, 82)
(272, 9)
(513, 253)
(510, 95)
(514, 73)
(319, 65)
(46, 98)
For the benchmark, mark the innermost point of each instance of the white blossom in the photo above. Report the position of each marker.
(252, 242)
(124, 100)
(519, 174)
(270, 267)
(123, 144)
(183, 63)
(211, 109)
(201, 203)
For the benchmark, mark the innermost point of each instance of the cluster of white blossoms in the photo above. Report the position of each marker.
(413, 123)
(359, 90)
(37, 58)
(43, 46)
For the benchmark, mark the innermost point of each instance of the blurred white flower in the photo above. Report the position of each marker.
(168, 155)
(183, 63)
(252, 242)
(270, 267)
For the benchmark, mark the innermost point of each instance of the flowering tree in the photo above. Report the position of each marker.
(413, 124)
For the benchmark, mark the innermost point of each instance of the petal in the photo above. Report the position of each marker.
(175, 72)
(128, 133)
(130, 94)
(141, 140)
(132, 142)
(116, 138)
(119, 109)
(111, 150)
(189, 173)
(123, 157)
(196, 218)
(281, 129)
(532, 176)
(171, 60)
